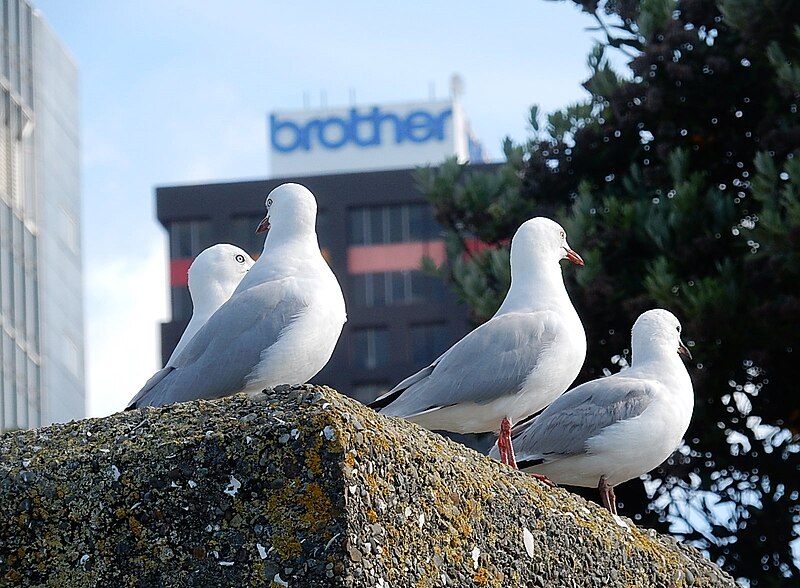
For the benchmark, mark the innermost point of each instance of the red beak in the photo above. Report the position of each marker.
(263, 225)
(683, 350)
(574, 257)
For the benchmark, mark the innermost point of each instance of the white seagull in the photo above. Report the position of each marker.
(612, 429)
(213, 276)
(513, 365)
(280, 325)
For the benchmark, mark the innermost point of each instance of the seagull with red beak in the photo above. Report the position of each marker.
(607, 431)
(513, 365)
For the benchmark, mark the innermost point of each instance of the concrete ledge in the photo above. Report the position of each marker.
(300, 487)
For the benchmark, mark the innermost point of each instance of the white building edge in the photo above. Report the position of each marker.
(42, 376)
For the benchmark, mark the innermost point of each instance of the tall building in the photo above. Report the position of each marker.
(41, 306)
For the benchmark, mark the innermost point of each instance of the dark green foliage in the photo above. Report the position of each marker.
(679, 184)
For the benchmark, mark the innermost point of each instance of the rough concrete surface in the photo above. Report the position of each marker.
(300, 487)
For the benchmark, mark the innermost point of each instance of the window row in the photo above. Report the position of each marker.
(370, 347)
(16, 161)
(375, 225)
(190, 237)
(396, 288)
(245, 236)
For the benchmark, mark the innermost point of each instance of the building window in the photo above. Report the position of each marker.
(370, 348)
(426, 288)
(245, 236)
(181, 303)
(379, 225)
(428, 341)
(244, 233)
(396, 288)
(188, 238)
(422, 225)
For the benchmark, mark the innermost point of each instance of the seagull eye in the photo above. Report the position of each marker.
(269, 202)
(562, 234)
(240, 258)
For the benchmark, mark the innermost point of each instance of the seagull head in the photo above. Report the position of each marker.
(541, 236)
(215, 273)
(657, 331)
(291, 207)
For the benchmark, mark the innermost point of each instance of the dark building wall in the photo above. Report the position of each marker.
(381, 344)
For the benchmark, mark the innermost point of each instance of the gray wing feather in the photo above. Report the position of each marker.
(490, 362)
(566, 425)
(149, 385)
(225, 350)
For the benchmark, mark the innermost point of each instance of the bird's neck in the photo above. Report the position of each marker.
(282, 258)
(662, 363)
(206, 300)
(539, 288)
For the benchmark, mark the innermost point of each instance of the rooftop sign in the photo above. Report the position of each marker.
(361, 138)
(364, 129)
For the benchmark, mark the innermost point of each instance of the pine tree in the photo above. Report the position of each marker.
(679, 184)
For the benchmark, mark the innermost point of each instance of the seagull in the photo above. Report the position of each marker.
(612, 429)
(280, 325)
(513, 365)
(213, 276)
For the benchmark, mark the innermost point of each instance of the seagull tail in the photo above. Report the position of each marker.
(143, 396)
(385, 400)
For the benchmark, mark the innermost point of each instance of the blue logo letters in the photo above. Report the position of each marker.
(361, 129)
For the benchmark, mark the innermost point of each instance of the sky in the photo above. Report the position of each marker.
(179, 92)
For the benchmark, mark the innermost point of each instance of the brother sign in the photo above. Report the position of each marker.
(361, 129)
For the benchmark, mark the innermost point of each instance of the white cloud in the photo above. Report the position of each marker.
(126, 300)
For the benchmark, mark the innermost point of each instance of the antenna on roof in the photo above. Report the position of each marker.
(456, 86)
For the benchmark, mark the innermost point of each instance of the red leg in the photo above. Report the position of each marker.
(544, 479)
(504, 444)
(607, 497)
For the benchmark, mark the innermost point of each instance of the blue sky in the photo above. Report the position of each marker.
(179, 92)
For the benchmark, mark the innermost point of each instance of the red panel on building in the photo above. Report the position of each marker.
(366, 259)
(178, 269)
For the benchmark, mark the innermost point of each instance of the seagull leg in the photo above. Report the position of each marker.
(607, 497)
(504, 444)
(543, 479)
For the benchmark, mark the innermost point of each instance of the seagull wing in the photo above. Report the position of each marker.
(565, 427)
(490, 362)
(218, 359)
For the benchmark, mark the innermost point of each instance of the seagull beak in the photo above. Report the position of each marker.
(683, 350)
(263, 225)
(573, 257)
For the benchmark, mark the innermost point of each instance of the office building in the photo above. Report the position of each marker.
(41, 307)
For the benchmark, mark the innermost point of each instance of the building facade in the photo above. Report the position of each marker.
(41, 306)
(374, 228)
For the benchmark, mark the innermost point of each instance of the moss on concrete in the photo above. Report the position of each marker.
(300, 487)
